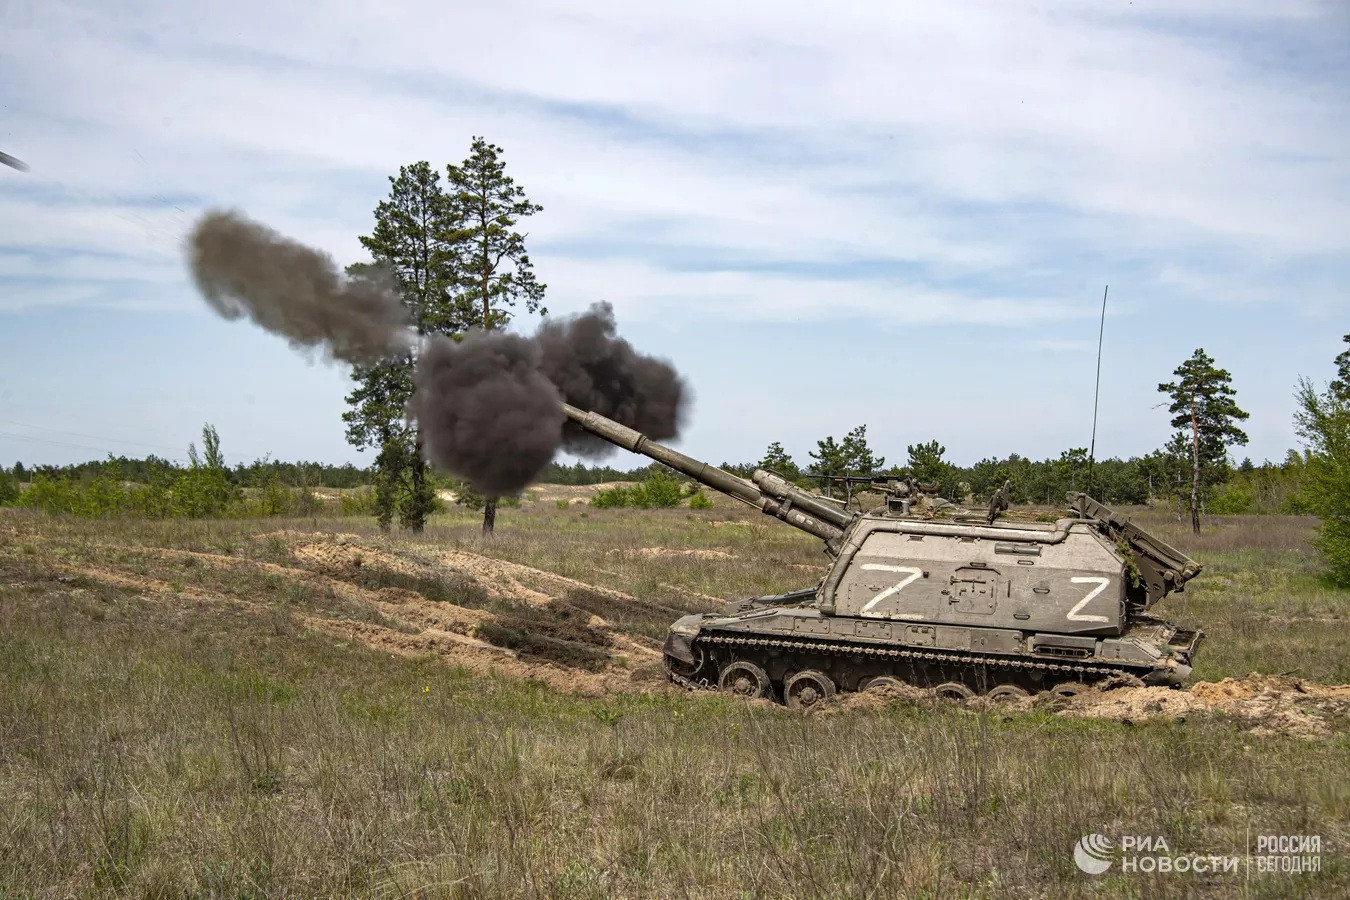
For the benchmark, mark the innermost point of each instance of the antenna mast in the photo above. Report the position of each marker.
(1097, 391)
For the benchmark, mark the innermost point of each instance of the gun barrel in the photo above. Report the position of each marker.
(637, 442)
(781, 488)
(805, 511)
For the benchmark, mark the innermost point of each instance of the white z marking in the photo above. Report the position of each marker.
(1074, 614)
(913, 574)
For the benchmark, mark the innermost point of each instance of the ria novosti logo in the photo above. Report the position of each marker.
(1094, 853)
(1284, 853)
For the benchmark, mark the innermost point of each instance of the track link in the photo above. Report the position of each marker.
(1094, 672)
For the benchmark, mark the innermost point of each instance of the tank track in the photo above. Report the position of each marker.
(965, 662)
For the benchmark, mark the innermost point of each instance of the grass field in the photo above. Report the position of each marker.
(309, 709)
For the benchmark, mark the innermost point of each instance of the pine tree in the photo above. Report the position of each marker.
(1070, 463)
(926, 464)
(858, 457)
(495, 272)
(1341, 385)
(1202, 404)
(829, 460)
(414, 242)
(776, 459)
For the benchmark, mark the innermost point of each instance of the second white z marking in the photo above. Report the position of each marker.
(913, 573)
(1075, 615)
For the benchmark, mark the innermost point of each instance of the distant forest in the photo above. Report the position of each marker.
(1268, 488)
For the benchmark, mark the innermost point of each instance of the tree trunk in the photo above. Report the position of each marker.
(489, 515)
(419, 487)
(1195, 470)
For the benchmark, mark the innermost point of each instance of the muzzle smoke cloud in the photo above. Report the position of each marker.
(244, 268)
(597, 370)
(487, 412)
(489, 407)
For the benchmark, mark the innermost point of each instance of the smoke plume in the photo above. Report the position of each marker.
(243, 268)
(487, 412)
(489, 408)
(490, 411)
(599, 371)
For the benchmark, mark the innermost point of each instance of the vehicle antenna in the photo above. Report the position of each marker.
(1097, 391)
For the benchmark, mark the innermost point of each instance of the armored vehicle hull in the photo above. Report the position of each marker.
(932, 596)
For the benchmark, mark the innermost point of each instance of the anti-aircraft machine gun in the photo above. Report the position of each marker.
(925, 595)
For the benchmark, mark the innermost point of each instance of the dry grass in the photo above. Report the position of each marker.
(202, 743)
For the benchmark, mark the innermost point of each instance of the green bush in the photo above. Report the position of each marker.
(658, 490)
(9, 488)
(614, 497)
(561, 504)
(359, 502)
(466, 496)
(699, 500)
(54, 495)
(1231, 500)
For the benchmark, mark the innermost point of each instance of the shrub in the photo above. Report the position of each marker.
(9, 488)
(561, 504)
(699, 500)
(466, 496)
(659, 490)
(54, 495)
(306, 503)
(614, 497)
(360, 502)
(1232, 500)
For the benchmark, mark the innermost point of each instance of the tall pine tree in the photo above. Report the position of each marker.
(414, 241)
(1204, 408)
(495, 272)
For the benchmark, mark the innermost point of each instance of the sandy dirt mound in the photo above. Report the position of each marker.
(563, 647)
(343, 553)
(673, 552)
(1262, 704)
(877, 698)
(692, 594)
(556, 618)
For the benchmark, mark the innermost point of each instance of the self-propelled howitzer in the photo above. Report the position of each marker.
(927, 594)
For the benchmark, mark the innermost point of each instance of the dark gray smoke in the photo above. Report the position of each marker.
(490, 406)
(243, 267)
(488, 414)
(599, 371)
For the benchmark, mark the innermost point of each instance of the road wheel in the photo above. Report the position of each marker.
(807, 689)
(683, 669)
(1007, 693)
(744, 679)
(953, 690)
(1070, 689)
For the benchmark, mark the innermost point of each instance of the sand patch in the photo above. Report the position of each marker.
(663, 552)
(1261, 704)
(692, 594)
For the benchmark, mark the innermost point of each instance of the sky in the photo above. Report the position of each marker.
(898, 214)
